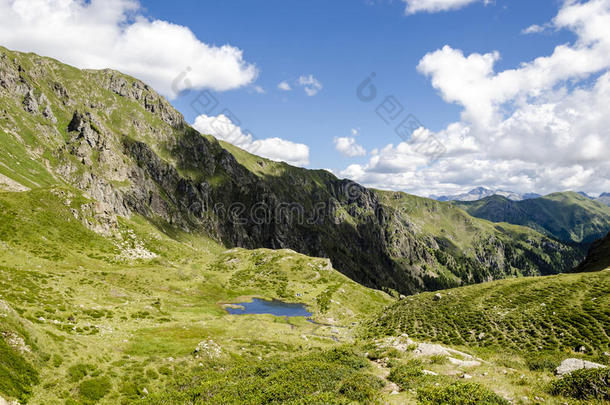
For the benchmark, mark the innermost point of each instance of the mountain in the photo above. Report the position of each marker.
(116, 141)
(125, 236)
(604, 198)
(482, 192)
(598, 257)
(568, 216)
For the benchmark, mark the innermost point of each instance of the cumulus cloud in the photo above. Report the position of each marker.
(433, 6)
(533, 29)
(541, 127)
(222, 127)
(284, 86)
(115, 34)
(310, 84)
(347, 146)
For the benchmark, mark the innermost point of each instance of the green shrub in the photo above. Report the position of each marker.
(459, 394)
(542, 363)
(584, 384)
(361, 387)
(406, 374)
(79, 371)
(95, 389)
(17, 376)
(439, 359)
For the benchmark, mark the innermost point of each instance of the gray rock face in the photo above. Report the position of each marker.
(569, 365)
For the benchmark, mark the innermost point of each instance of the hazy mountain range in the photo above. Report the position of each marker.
(483, 192)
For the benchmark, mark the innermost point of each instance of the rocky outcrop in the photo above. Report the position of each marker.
(569, 365)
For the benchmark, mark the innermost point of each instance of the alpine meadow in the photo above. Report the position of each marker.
(154, 251)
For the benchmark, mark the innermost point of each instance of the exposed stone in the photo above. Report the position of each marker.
(569, 365)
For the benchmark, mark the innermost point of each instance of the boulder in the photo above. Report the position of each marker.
(569, 365)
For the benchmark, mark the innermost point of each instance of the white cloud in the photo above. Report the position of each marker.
(259, 90)
(533, 29)
(284, 86)
(347, 146)
(433, 6)
(355, 132)
(277, 149)
(541, 127)
(310, 84)
(115, 34)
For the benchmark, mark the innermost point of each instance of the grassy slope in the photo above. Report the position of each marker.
(567, 216)
(81, 306)
(559, 313)
(96, 323)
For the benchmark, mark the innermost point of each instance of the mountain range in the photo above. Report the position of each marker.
(113, 140)
(482, 192)
(568, 216)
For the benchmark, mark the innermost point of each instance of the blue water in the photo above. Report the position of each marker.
(277, 308)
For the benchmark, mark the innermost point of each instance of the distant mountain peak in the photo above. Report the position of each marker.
(480, 192)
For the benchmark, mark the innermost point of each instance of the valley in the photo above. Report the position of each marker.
(125, 234)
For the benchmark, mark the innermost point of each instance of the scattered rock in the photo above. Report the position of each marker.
(437, 297)
(466, 376)
(569, 365)
(428, 372)
(207, 348)
(145, 391)
(16, 342)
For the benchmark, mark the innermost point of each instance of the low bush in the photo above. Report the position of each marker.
(79, 371)
(542, 362)
(335, 376)
(459, 394)
(95, 389)
(363, 388)
(585, 384)
(406, 374)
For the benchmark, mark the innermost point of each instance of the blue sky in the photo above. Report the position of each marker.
(511, 95)
(341, 42)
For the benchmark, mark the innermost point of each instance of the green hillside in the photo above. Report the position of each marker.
(121, 144)
(82, 315)
(568, 216)
(125, 235)
(561, 313)
(598, 257)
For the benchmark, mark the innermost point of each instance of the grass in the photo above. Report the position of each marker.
(559, 313)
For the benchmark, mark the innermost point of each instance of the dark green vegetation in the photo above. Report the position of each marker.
(459, 394)
(586, 384)
(113, 138)
(336, 376)
(568, 216)
(598, 257)
(554, 314)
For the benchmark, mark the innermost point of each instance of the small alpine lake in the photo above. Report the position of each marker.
(274, 307)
